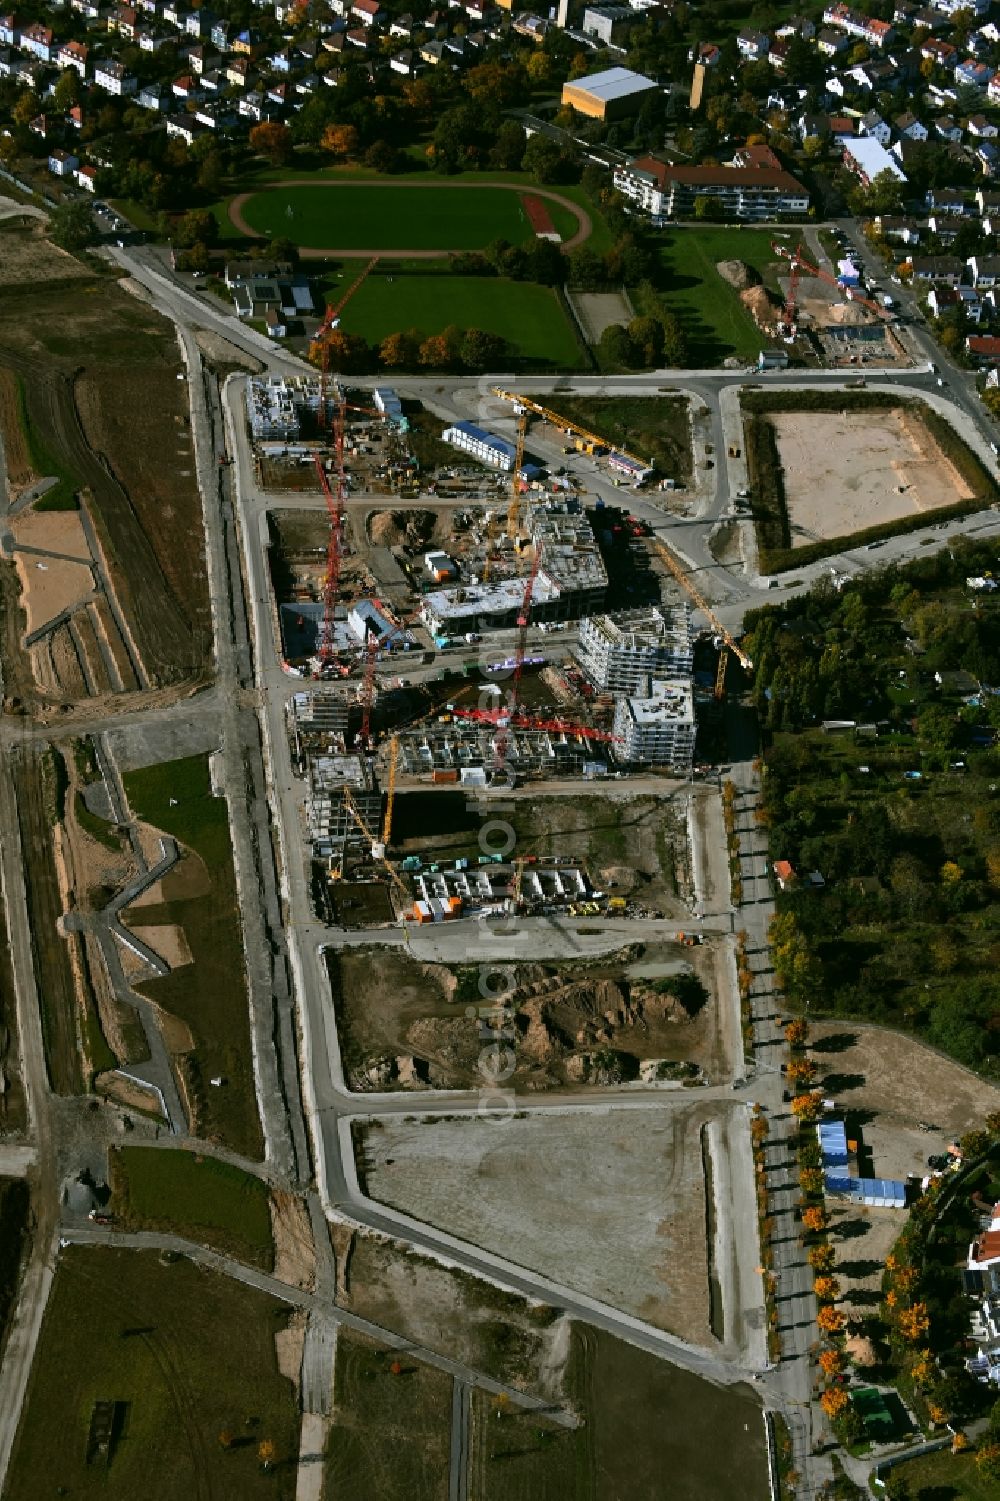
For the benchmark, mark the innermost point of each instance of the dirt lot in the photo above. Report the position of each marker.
(846, 471)
(391, 1427)
(891, 1082)
(600, 310)
(612, 1203)
(577, 1026)
(451, 1312)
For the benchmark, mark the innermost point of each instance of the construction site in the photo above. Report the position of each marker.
(825, 318)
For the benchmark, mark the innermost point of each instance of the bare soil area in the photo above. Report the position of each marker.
(52, 531)
(610, 1202)
(889, 1083)
(445, 1309)
(600, 310)
(847, 471)
(404, 1023)
(168, 941)
(49, 586)
(294, 1255)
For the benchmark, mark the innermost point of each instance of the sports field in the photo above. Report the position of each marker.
(528, 316)
(394, 216)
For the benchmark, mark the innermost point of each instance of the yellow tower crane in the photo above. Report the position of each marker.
(514, 508)
(592, 441)
(378, 850)
(390, 794)
(680, 574)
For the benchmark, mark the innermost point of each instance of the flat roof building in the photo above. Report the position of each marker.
(657, 726)
(614, 94)
(618, 653)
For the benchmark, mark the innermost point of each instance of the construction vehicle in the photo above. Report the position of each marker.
(680, 574)
(584, 440)
(788, 327)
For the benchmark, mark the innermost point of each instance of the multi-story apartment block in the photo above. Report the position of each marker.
(618, 653)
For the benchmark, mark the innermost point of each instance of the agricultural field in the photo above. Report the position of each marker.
(391, 1429)
(612, 1205)
(528, 316)
(198, 1198)
(207, 997)
(579, 1026)
(408, 215)
(189, 1355)
(80, 348)
(716, 325)
(644, 1420)
(15, 1208)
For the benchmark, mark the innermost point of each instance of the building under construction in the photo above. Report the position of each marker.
(466, 752)
(571, 578)
(619, 652)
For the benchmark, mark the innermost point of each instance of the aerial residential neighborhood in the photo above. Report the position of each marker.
(499, 713)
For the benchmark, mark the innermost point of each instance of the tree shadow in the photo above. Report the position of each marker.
(858, 1268)
(850, 1229)
(839, 1083)
(837, 1042)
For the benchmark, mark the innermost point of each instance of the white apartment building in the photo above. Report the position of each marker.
(619, 653)
(657, 727)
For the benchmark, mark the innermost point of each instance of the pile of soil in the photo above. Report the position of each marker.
(402, 528)
(738, 274)
(758, 304)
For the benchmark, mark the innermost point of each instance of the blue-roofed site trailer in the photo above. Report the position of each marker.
(483, 446)
(841, 1178)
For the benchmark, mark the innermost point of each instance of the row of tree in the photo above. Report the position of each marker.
(472, 349)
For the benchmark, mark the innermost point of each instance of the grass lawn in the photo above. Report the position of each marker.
(391, 1432)
(655, 428)
(190, 1354)
(714, 320)
(209, 994)
(177, 796)
(415, 216)
(529, 316)
(944, 1476)
(197, 1197)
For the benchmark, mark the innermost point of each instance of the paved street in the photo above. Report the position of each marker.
(306, 1109)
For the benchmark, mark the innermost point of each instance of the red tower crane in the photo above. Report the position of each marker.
(334, 548)
(321, 344)
(523, 617)
(509, 718)
(799, 264)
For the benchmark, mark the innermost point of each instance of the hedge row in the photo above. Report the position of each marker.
(768, 503)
